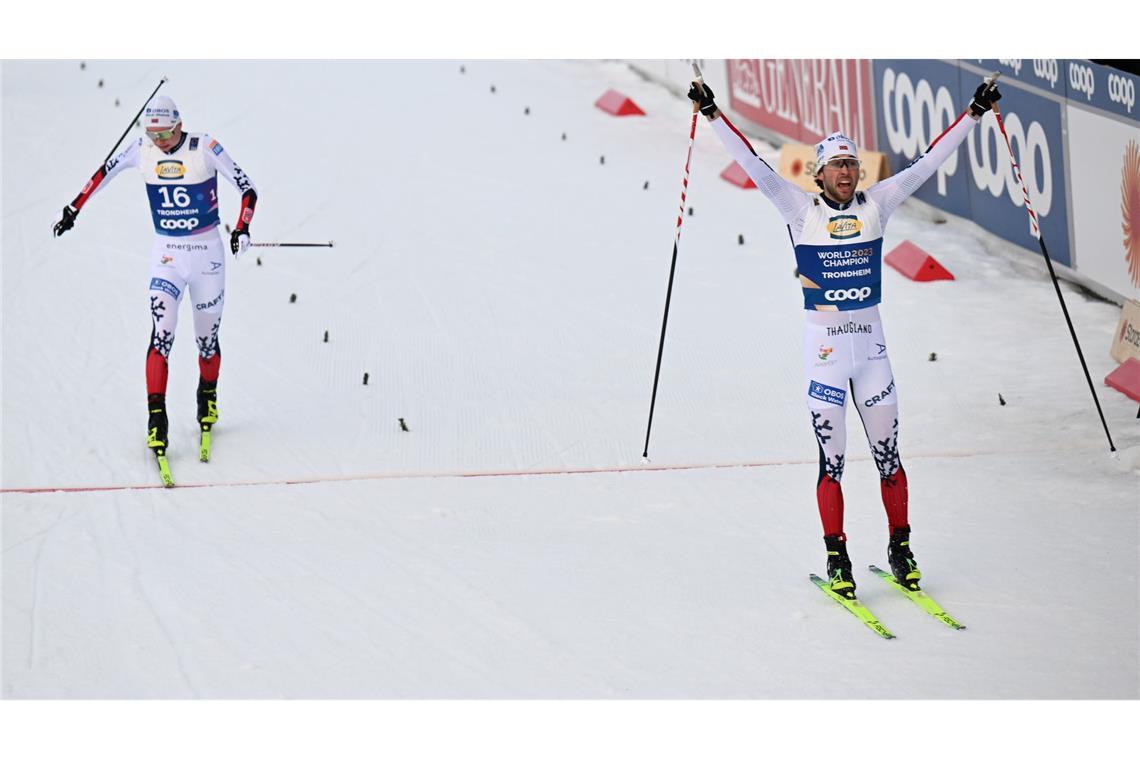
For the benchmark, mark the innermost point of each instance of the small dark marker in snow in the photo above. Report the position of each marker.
(646, 185)
(293, 298)
(563, 137)
(403, 425)
(366, 378)
(492, 88)
(933, 356)
(326, 336)
(83, 65)
(690, 210)
(462, 69)
(100, 83)
(526, 111)
(259, 261)
(603, 160)
(1001, 400)
(116, 102)
(740, 240)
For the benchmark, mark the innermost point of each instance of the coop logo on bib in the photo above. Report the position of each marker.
(844, 227)
(170, 170)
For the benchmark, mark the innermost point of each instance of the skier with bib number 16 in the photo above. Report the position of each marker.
(180, 170)
(837, 235)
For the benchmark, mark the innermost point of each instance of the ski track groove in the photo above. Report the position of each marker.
(140, 588)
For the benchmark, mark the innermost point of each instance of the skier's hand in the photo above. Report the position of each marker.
(239, 241)
(67, 222)
(702, 95)
(984, 98)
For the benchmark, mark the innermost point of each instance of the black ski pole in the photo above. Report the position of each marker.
(1035, 230)
(136, 118)
(292, 245)
(672, 269)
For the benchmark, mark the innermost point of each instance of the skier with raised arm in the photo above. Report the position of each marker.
(180, 171)
(837, 235)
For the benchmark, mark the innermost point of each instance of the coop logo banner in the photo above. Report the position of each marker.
(917, 100)
(1102, 87)
(1033, 123)
(1048, 74)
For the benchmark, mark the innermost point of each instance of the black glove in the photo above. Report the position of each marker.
(984, 98)
(67, 222)
(703, 96)
(239, 241)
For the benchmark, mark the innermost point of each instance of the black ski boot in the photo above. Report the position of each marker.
(903, 566)
(839, 575)
(207, 404)
(156, 437)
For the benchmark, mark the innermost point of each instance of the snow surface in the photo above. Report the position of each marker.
(503, 288)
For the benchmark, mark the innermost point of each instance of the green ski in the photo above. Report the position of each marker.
(921, 598)
(204, 445)
(164, 468)
(855, 607)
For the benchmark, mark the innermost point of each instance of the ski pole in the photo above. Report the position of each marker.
(161, 82)
(292, 245)
(673, 265)
(1035, 230)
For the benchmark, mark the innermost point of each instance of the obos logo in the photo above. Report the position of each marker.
(170, 170)
(906, 108)
(1130, 209)
(850, 294)
(1032, 148)
(844, 227)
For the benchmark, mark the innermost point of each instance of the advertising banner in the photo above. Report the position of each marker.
(1104, 162)
(917, 100)
(805, 99)
(1033, 123)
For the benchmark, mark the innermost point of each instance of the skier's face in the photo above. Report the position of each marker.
(839, 177)
(166, 139)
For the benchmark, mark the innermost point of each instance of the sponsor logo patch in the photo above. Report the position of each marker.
(821, 392)
(193, 143)
(844, 226)
(167, 259)
(825, 352)
(210, 304)
(216, 147)
(157, 283)
(879, 398)
(170, 170)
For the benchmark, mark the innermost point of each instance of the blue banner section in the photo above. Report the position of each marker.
(917, 99)
(1033, 124)
(1091, 84)
(915, 102)
(1048, 74)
